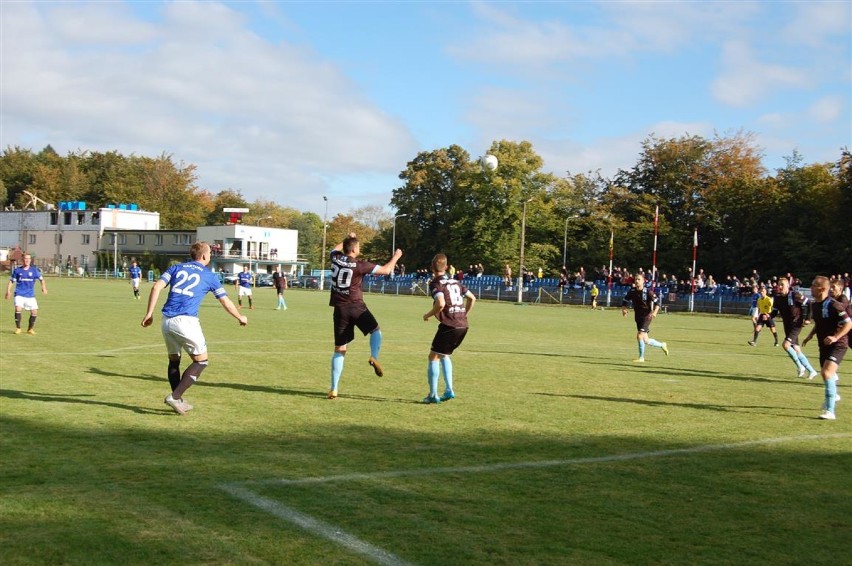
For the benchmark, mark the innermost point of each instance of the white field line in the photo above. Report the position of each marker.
(315, 526)
(381, 556)
(484, 468)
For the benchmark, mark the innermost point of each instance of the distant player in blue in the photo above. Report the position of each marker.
(135, 278)
(752, 310)
(645, 309)
(189, 282)
(244, 284)
(23, 279)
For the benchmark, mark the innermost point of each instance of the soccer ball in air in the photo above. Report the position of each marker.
(488, 162)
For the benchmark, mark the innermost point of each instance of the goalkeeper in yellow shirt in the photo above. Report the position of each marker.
(764, 317)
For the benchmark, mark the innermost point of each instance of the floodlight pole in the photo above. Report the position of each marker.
(565, 241)
(249, 255)
(521, 266)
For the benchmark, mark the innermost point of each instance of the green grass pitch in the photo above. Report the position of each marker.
(557, 450)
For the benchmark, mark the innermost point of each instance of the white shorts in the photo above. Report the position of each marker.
(135, 283)
(245, 291)
(26, 303)
(183, 333)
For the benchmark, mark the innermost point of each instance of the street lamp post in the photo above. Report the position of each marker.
(565, 241)
(393, 240)
(521, 264)
(249, 255)
(322, 254)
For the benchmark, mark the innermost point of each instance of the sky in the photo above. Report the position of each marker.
(293, 101)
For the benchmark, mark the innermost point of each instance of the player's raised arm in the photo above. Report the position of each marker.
(388, 268)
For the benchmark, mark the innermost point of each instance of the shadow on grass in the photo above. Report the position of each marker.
(309, 393)
(75, 399)
(511, 353)
(700, 406)
(113, 487)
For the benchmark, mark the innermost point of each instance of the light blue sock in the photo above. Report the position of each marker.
(336, 369)
(447, 367)
(795, 357)
(655, 343)
(375, 343)
(803, 359)
(432, 371)
(641, 348)
(830, 393)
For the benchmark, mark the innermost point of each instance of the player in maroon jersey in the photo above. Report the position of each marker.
(451, 303)
(645, 308)
(349, 308)
(793, 308)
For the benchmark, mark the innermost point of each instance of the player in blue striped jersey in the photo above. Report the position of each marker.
(188, 284)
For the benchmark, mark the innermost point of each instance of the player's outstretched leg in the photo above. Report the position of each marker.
(803, 359)
(800, 369)
(657, 344)
(375, 348)
(336, 370)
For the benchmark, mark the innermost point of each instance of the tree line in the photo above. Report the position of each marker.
(792, 220)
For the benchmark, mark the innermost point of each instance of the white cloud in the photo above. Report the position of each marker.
(826, 109)
(745, 80)
(818, 24)
(252, 116)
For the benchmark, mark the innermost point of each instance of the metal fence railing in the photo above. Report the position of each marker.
(496, 290)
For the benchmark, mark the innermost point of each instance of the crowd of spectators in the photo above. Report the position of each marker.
(705, 283)
(701, 283)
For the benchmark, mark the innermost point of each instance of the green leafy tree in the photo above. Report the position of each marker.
(17, 166)
(812, 199)
(171, 191)
(489, 221)
(228, 198)
(309, 226)
(435, 185)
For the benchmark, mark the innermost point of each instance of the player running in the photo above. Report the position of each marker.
(764, 317)
(793, 308)
(645, 308)
(831, 326)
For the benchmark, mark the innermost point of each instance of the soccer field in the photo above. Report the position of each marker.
(557, 450)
